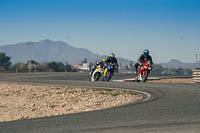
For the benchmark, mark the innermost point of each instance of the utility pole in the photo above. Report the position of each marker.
(30, 57)
(196, 55)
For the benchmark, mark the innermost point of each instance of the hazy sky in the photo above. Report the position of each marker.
(168, 28)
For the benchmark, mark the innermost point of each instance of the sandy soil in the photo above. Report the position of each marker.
(18, 102)
(174, 80)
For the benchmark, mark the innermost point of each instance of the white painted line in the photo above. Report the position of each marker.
(137, 91)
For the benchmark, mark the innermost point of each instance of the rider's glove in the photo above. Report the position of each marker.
(140, 63)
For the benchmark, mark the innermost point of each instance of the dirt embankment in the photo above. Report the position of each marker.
(18, 102)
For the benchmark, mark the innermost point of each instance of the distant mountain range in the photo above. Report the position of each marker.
(178, 64)
(47, 50)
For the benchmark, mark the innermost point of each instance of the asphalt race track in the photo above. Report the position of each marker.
(172, 108)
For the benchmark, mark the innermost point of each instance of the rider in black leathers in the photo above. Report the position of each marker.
(144, 57)
(112, 60)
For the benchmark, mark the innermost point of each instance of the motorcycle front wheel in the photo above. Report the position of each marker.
(96, 76)
(108, 76)
(145, 76)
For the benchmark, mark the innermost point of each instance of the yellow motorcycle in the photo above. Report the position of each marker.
(96, 74)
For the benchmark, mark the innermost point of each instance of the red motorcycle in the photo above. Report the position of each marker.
(144, 72)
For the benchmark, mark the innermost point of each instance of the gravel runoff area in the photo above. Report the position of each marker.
(21, 101)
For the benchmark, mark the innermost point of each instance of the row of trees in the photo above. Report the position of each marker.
(6, 66)
(4, 61)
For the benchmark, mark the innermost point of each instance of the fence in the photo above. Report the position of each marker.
(196, 75)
